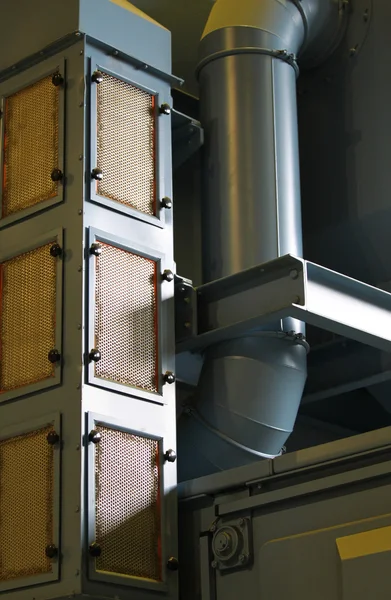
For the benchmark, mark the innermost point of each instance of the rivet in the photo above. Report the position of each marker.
(56, 175)
(54, 356)
(294, 274)
(80, 212)
(94, 436)
(97, 174)
(168, 275)
(166, 202)
(95, 550)
(51, 551)
(55, 251)
(96, 249)
(81, 157)
(57, 79)
(170, 456)
(169, 377)
(79, 326)
(95, 355)
(165, 109)
(79, 268)
(172, 564)
(97, 77)
(52, 438)
(214, 564)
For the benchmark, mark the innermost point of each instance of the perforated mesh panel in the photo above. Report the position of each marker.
(126, 144)
(128, 504)
(125, 319)
(30, 146)
(27, 318)
(26, 505)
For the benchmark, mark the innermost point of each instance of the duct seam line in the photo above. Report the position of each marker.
(283, 55)
(193, 413)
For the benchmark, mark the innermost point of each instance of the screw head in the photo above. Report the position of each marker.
(166, 202)
(168, 275)
(165, 109)
(172, 564)
(97, 174)
(55, 251)
(95, 550)
(53, 438)
(56, 175)
(94, 355)
(96, 249)
(57, 79)
(170, 456)
(94, 436)
(214, 564)
(51, 551)
(97, 77)
(169, 377)
(54, 356)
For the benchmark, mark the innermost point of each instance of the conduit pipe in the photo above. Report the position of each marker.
(250, 389)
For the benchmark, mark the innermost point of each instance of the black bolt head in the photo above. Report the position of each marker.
(97, 77)
(95, 550)
(55, 251)
(166, 202)
(168, 275)
(94, 436)
(51, 551)
(56, 175)
(170, 456)
(165, 109)
(169, 377)
(54, 356)
(53, 438)
(172, 564)
(96, 249)
(97, 174)
(57, 79)
(95, 355)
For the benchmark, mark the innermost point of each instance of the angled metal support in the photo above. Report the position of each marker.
(290, 287)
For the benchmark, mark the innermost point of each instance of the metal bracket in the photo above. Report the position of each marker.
(290, 287)
(187, 138)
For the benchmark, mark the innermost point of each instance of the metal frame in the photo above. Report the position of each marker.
(159, 218)
(21, 429)
(159, 259)
(91, 420)
(291, 287)
(57, 236)
(10, 87)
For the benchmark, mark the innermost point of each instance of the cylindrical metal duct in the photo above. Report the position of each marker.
(250, 389)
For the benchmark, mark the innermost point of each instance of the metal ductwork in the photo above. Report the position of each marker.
(250, 388)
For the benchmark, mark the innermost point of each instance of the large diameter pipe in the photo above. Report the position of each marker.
(250, 389)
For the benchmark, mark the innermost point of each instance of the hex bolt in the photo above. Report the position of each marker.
(97, 174)
(243, 558)
(165, 109)
(170, 456)
(53, 438)
(54, 356)
(94, 436)
(214, 564)
(97, 77)
(51, 551)
(95, 249)
(94, 355)
(55, 251)
(166, 202)
(57, 175)
(172, 564)
(241, 522)
(57, 79)
(169, 377)
(168, 275)
(213, 528)
(95, 550)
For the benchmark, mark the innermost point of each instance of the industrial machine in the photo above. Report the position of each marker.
(172, 427)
